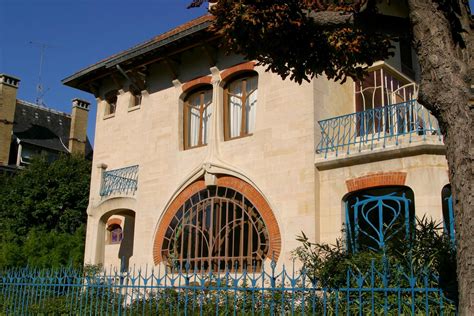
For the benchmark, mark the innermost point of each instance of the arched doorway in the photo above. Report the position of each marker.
(115, 239)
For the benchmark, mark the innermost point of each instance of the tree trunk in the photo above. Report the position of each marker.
(444, 89)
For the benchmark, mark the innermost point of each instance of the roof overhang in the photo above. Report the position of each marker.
(158, 48)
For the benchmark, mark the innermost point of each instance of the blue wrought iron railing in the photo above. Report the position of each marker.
(120, 181)
(379, 126)
(380, 290)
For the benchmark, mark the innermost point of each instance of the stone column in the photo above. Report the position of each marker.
(8, 90)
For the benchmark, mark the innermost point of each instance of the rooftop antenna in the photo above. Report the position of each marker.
(40, 92)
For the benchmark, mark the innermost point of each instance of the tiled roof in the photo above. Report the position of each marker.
(43, 127)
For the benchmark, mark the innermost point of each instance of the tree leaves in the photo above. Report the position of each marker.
(44, 202)
(281, 36)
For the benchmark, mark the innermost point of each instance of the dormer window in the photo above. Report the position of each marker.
(197, 117)
(240, 105)
(111, 102)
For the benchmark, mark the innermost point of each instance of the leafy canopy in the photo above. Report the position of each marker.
(282, 35)
(43, 211)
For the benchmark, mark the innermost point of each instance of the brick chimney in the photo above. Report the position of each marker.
(8, 90)
(78, 132)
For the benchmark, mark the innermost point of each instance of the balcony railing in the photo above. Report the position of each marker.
(120, 181)
(378, 127)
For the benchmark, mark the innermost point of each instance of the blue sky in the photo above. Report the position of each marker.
(78, 33)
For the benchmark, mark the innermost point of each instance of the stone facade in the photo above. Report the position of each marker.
(294, 187)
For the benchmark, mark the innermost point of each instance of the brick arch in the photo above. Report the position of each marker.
(236, 184)
(113, 221)
(190, 85)
(376, 180)
(234, 70)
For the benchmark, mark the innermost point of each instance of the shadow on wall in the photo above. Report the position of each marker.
(126, 246)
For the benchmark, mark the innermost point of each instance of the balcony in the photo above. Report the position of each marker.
(393, 126)
(123, 181)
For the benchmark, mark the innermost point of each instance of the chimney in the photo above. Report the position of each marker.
(8, 89)
(78, 132)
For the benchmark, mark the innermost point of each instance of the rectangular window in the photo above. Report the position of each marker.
(111, 102)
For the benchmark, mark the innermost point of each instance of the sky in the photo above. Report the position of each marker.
(77, 33)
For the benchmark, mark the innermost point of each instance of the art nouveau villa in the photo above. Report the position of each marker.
(207, 160)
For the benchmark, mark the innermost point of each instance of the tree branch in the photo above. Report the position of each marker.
(331, 18)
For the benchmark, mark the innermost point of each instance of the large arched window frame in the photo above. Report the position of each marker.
(374, 216)
(227, 195)
(217, 228)
(240, 105)
(197, 112)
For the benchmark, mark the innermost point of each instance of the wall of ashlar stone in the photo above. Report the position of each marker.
(278, 159)
(425, 174)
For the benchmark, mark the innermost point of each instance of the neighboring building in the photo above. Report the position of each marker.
(28, 129)
(205, 158)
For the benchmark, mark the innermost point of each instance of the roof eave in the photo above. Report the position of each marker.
(73, 80)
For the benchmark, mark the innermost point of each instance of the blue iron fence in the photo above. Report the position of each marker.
(124, 181)
(382, 125)
(380, 290)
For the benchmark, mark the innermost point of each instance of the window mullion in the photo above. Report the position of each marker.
(201, 113)
(244, 110)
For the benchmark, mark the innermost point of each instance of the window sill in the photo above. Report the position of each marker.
(194, 147)
(134, 108)
(238, 137)
(108, 116)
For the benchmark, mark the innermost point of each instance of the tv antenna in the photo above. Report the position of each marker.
(40, 92)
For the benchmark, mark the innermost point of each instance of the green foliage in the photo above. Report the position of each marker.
(43, 211)
(280, 35)
(429, 251)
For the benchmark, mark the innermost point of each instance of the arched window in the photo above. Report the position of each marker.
(375, 216)
(448, 212)
(217, 228)
(115, 234)
(197, 117)
(240, 105)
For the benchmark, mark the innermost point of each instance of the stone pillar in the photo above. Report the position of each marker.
(8, 90)
(78, 132)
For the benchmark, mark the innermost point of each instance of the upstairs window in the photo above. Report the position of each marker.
(240, 105)
(197, 117)
(377, 215)
(136, 98)
(111, 102)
